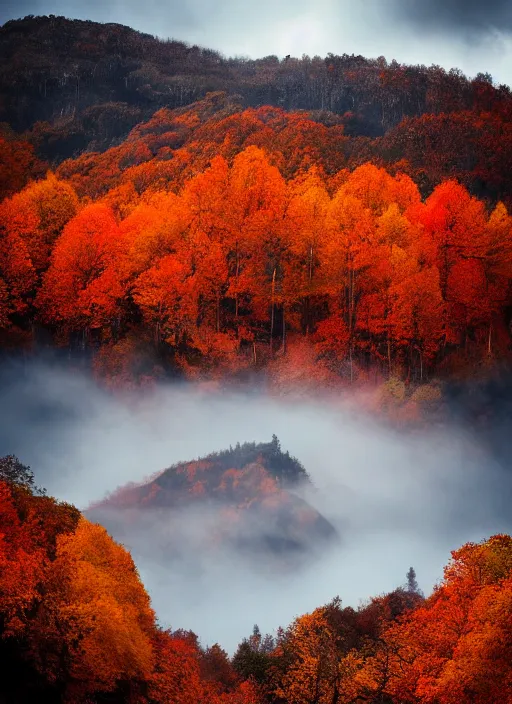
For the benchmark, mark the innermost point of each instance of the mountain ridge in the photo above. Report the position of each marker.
(77, 85)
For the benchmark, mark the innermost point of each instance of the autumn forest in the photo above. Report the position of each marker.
(316, 225)
(77, 626)
(213, 238)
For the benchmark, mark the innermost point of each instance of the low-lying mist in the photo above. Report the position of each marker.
(396, 498)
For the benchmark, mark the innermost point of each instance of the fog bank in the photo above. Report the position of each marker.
(397, 499)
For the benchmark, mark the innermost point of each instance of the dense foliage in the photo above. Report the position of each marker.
(312, 220)
(76, 625)
(317, 219)
(78, 85)
(238, 268)
(278, 463)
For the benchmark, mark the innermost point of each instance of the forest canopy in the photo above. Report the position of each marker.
(237, 265)
(309, 221)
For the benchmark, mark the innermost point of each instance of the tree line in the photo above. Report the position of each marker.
(239, 265)
(76, 86)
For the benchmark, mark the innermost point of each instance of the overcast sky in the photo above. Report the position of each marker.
(472, 35)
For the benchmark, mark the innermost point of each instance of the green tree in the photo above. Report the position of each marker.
(412, 583)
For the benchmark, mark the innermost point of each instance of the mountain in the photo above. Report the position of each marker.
(243, 498)
(76, 86)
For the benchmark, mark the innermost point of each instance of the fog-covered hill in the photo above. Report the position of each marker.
(241, 499)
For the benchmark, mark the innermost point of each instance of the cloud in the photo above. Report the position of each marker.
(457, 16)
(397, 499)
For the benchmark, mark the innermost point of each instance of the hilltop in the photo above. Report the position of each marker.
(243, 497)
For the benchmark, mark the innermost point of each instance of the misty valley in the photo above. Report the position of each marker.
(255, 356)
(244, 534)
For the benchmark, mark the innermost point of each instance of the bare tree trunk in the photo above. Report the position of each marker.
(284, 328)
(308, 300)
(157, 326)
(335, 694)
(237, 272)
(272, 309)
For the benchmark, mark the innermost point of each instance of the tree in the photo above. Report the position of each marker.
(18, 164)
(441, 650)
(217, 670)
(38, 215)
(346, 256)
(313, 674)
(412, 584)
(257, 236)
(305, 216)
(17, 274)
(22, 563)
(80, 289)
(456, 223)
(176, 674)
(96, 614)
(167, 297)
(14, 472)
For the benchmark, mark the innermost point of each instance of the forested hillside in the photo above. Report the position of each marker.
(75, 86)
(295, 225)
(243, 499)
(62, 68)
(313, 221)
(76, 625)
(222, 272)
